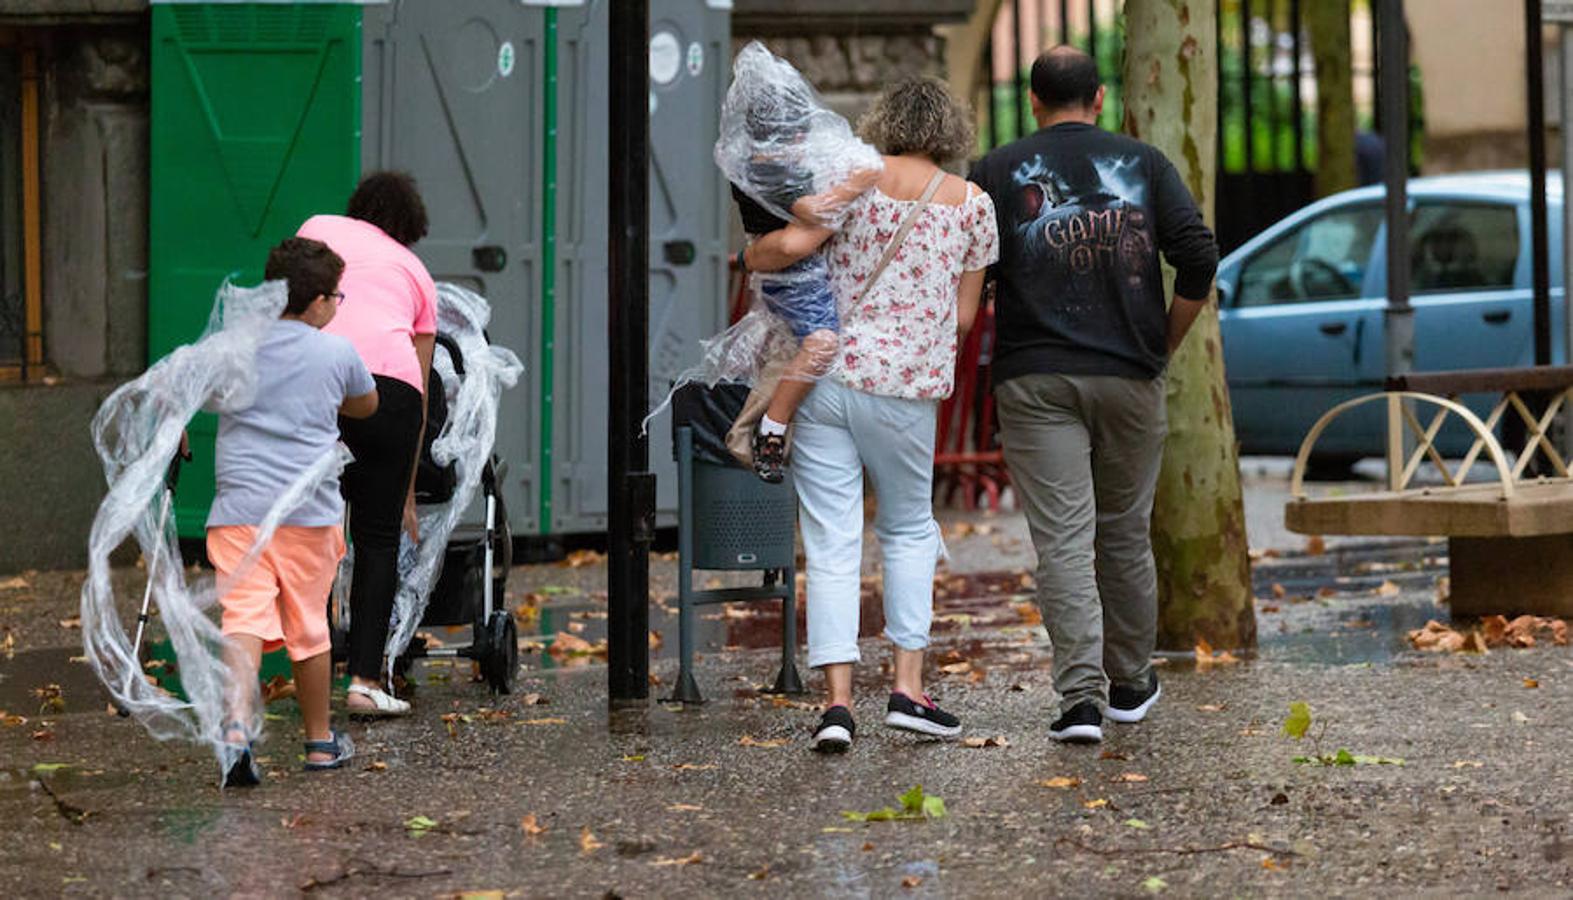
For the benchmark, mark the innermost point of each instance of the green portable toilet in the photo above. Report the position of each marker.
(255, 126)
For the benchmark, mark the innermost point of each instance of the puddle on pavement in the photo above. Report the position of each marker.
(61, 778)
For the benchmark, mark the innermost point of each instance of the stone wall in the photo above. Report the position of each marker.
(93, 101)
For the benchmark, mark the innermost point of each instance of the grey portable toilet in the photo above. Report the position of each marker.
(498, 108)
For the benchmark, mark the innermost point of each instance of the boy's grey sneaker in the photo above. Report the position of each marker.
(925, 718)
(835, 730)
(1082, 724)
(1128, 705)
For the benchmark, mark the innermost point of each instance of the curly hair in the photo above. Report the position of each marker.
(308, 267)
(920, 115)
(390, 201)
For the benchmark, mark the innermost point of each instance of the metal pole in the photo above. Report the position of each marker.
(1400, 316)
(1535, 73)
(1017, 77)
(1566, 86)
(631, 487)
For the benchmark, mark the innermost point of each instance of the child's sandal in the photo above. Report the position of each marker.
(340, 745)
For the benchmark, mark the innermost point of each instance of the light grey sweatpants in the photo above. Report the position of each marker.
(1084, 452)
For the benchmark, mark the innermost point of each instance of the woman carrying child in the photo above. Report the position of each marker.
(906, 266)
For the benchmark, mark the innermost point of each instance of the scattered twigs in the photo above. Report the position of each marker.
(1180, 851)
(73, 814)
(358, 867)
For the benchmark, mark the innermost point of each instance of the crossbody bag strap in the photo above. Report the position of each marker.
(901, 232)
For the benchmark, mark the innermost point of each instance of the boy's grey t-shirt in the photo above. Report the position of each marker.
(303, 376)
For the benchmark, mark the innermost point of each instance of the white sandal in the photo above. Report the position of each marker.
(384, 705)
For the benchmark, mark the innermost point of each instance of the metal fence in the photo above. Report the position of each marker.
(1267, 147)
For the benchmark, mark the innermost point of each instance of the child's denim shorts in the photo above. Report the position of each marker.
(800, 294)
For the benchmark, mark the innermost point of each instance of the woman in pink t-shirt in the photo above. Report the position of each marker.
(389, 313)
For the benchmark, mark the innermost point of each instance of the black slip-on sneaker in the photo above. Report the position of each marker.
(1128, 705)
(925, 718)
(1083, 724)
(835, 731)
(770, 457)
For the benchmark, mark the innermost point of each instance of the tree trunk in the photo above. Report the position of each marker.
(1328, 23)
(1198, 522)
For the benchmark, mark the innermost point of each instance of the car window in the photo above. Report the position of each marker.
(1462, 246)
(1323, 259)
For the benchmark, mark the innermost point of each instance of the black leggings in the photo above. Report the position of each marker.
(374, 486)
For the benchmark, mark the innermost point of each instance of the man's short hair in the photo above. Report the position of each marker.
(310, 268)
(390, 201)
(1065, 77)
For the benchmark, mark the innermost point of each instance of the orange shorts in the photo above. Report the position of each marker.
(283, 600)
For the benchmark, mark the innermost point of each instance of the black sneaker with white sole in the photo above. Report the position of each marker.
(1128, 705)
(835, 731)
(925, 718)
(1082, 724)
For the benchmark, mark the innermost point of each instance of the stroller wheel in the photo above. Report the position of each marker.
(500, 657)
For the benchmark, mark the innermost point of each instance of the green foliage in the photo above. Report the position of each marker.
(1154, 885)
(1299, 722)
(915, 805)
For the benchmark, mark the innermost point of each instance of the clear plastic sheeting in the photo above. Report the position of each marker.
(784, 149)
(466, 440)
(137, 432)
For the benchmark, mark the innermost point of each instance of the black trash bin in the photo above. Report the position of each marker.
(729, 520)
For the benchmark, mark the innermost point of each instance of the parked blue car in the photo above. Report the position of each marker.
(1302, 306)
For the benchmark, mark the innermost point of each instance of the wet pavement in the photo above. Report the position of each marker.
(546, 793)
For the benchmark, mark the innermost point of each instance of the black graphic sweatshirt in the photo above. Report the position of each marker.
(1083, 215)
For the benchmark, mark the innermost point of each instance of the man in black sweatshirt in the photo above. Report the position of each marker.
(1084, 335)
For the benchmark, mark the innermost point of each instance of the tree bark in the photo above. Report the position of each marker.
(1198, 523)
(1328, 24)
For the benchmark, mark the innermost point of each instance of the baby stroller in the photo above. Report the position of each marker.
(470, 586)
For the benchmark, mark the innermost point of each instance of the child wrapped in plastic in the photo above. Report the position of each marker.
(789, 159)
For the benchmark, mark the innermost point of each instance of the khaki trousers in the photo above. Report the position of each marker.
(1084, 452)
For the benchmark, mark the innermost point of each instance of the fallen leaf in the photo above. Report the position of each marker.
(1299, 719)
(688, 860)
(419, 826)
(1531, 683)
(1387, 589)
(633, 757)
(1315, 545)
(1095, 804)
(691, 767)
(868, 846)
(1468, 764)
(759, 874)
(14, 583)
(749, 740)
(911, 881)
(1210, 707)
(377, 766)
(578, 559)
(546, 721)
(685, 807)
(534, 700)
(1155, 885)
(1136, 823)
(1520, 718)
(278, 688)
(977, 742)
(960, 668)
(655, 640)
(1063, 782)
(293, 822)
(73, 622)
(587, 841)
(1129, 777)
(531, 826)
(1114, 754)
(1206, 658)
(1279, 592)
(1271, 864)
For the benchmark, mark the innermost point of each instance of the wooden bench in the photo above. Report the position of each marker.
(1510, 538)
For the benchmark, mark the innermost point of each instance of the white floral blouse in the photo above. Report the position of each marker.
(900, 339)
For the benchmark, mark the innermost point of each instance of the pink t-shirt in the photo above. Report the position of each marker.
(388, 296)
